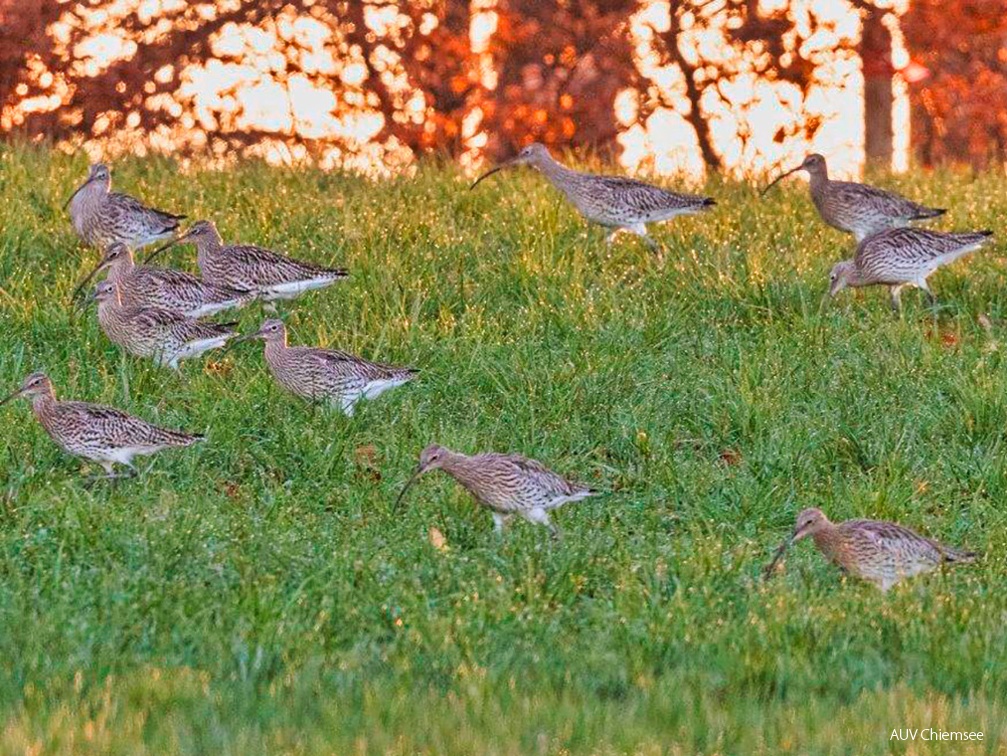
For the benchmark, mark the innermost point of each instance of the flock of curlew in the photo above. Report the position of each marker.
(157, 313)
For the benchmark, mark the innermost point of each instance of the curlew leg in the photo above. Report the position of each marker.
(346, 403)
(499, 522)
(269, 308)
(610, 236)
(640, 229)
(922, 284)
(540, 517)
(896, 294)
(110, 474)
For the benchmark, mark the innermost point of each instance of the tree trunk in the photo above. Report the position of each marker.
(876, 59)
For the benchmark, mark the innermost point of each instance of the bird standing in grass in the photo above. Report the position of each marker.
(102, 217)
(270, 275)
(506, 484)
(618, 203)
(162, 335)
(326, 374)
(881, 553)
(855, 208)
(902, 257)
(93, 431)
(147, 286)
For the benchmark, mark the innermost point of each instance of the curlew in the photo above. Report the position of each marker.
(620, 204)
(506, 484)
(270, 275)
(102, 217)
(95, 432)
(147, 286)
(326, 374)
(881, 553)
(162, 335)
(855, 208)
(902, 257)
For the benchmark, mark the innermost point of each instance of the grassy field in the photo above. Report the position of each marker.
(257, 594)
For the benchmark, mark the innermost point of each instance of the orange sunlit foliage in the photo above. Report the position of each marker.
(961, 104)
(675, 85)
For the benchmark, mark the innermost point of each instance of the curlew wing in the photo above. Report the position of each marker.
(200, 330)
(366, 371)
(185, 328)
(648, 201)
(118, 428)
(885, 202)
(271, 268)
(549, 482)
(152, 317)
(914, 249)
(190, 286)
(156, 219)
(896, 540)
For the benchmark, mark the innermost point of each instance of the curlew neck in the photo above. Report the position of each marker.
(43, 403)
(109, 309)
(826, 538)
(206, 247)
(275, 346)
(87, 201)
(853, 275)
(819, 178)
(460, 467)
(552, 169)
(121, 268)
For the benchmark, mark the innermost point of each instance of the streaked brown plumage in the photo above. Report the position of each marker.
(506, 484)
(162, 335)
(901, 257)
(612, 201)
(166, 289)
(93, 431)
(270, 275)
(858, 209)
(326, 374)
(102, 217)
(882, 553)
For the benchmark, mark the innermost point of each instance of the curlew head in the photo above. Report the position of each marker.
(36, 384)
(106, 291)
(271, 331)
(841, 276)
(535, 154)
(431, 458)
(113, 254)
(809, 522)
(99, 174)
(199, 232)
(814, 164)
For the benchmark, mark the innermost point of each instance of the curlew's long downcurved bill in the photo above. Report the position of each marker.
(75, 193)
(248, 337)
(490, 172)
(11, 395)
(768, 572)
(177, 240)
(827, 298)
(98, 268)
(419, 471)
(780, 178)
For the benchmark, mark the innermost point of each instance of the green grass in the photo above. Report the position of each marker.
(257, 595)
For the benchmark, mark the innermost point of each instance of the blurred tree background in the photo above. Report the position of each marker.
(731, 84)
